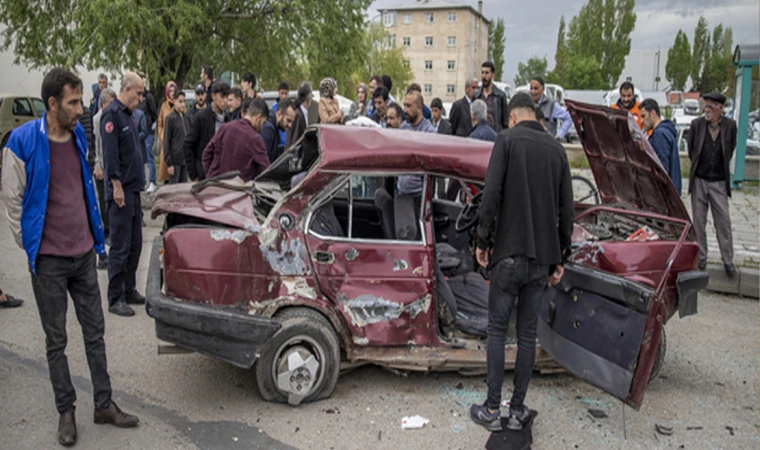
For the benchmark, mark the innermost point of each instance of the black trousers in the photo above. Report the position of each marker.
(126, 246)
(100, 185)
(57, 276)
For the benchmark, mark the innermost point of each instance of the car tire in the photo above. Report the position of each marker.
(659, 359)
(309, 338)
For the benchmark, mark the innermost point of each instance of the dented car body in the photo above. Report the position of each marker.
(305, 269)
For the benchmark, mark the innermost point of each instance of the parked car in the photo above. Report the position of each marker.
(314, 267)
(16, 110)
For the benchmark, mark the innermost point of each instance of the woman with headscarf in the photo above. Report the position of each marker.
(359, 107)
(166, 109)
(329, 108)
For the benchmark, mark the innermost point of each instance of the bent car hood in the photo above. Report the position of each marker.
(214, 203)
(626, 168)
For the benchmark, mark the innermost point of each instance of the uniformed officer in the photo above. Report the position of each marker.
(122, 154)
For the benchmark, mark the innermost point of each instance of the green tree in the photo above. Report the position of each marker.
(700, 53)
(601, 31)
(496, 43)
(386, 60)
(169, 39)
(679, 62)
(535, 66)
(717, 71)
(560, 56)
(584, 73)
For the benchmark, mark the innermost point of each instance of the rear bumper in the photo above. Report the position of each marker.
(224, 333)
(689, 284)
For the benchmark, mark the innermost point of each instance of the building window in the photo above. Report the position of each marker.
(407, 41)
(452, 17)
(406, 63)
(390, 42)
(428, 89)
(389, 19)
(452, 41)
(451, 89)
(429, 18)
(428, 65)
(407, 19)
(428, 41)
(452, 65)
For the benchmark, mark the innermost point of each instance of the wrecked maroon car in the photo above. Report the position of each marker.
(316, 266)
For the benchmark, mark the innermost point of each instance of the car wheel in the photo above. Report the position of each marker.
(302, 360)
(660, 358)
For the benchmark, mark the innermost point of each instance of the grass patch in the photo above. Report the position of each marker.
(578, 161)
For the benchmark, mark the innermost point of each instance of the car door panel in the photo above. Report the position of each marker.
(384, 291)
(602, 328)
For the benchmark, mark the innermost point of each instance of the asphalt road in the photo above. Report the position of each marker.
(707, 391)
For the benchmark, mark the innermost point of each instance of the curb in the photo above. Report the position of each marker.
(746, 282)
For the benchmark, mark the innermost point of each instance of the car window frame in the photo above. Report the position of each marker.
(39, 112)
(28, 103)
(327, 194)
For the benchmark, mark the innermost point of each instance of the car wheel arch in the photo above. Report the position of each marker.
(332, 316)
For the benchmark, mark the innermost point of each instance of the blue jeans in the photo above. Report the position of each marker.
(513, 278)
(149, 159)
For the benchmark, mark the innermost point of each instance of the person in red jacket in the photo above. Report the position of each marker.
(238, 146)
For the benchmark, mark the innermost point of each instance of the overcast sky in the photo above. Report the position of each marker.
(531, 27)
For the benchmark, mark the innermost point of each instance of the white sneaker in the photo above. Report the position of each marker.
(151, 189)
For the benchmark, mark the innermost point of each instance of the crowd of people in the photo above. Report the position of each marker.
(85, 183)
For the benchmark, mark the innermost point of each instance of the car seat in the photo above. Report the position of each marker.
(384, 203)
(405, 218)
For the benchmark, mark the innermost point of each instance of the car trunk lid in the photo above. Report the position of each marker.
(229, 202)
(625, 167)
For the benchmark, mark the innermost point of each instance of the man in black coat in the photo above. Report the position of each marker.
(711, 144)
(495, 98)
(301, 121)
(459, 116)
(204, 126)
(441, 125)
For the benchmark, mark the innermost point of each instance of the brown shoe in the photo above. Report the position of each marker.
(115, 416)
(67, 429)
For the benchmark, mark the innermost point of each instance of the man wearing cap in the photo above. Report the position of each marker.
(711, 144)
(200, 102)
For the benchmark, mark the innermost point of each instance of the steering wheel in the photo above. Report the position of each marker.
(469, 215)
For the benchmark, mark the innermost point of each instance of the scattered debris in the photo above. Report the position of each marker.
(720, 384)
(694, 428)
(593, 402)
(413, 422)
(505, 403)
(730, 429)
(332, 411)
(460, 385)
(457, 428)
(597, 413)
(235, 439)
(380, 435)
(297, 428)
(664, 429)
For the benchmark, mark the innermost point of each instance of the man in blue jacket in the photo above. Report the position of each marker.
(479, 115)
(53, 215)
(664, 139)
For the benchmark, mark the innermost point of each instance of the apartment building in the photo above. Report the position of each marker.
(445, 42)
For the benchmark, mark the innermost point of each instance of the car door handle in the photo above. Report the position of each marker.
(324, 257)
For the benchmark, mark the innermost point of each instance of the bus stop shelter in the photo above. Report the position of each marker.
(745, 58)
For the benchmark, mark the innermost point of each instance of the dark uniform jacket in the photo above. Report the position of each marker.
(444, 127)
(698, 133)
(483, 132)
(122, 149)
(203, 129)
(461, 123)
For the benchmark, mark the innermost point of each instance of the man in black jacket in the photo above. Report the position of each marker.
(495, 98)
(441, 125)
(459, 116)
(524, 231)
(204, 127)
(712, 140)
(301, 120)
(175, 130)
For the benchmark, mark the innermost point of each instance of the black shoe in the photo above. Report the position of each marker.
(488, 420)
(702, 264)
(121, 309)
(136, 299)
(518, 417)
(115, 416)
(67, 429)
(730, 269)
(102, 262)
(11, 302)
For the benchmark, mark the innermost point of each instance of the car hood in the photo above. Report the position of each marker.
(231, 205)
(625, 167)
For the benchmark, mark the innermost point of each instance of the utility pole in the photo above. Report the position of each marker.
(657, 71)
